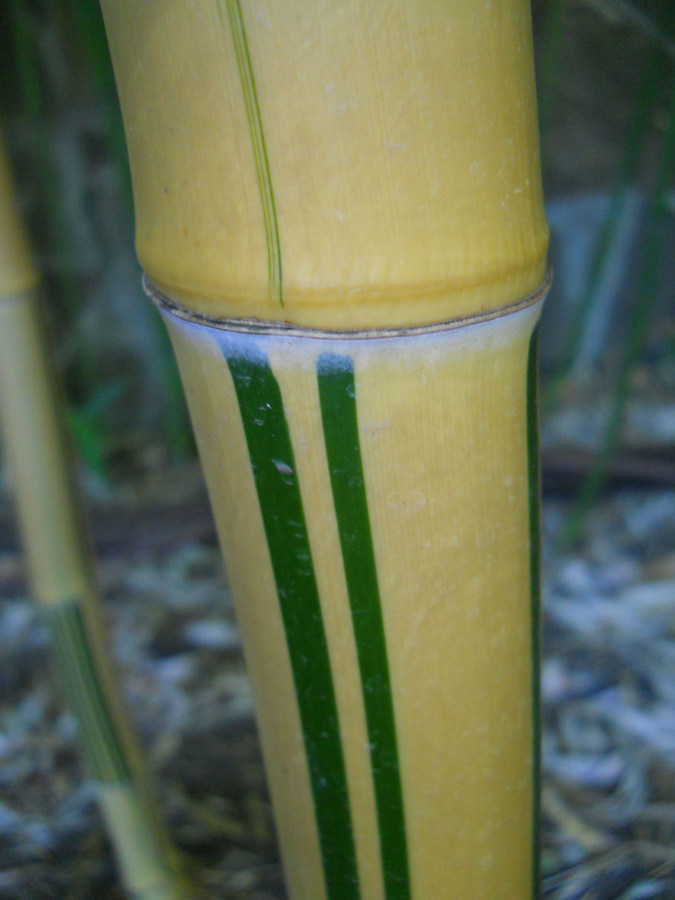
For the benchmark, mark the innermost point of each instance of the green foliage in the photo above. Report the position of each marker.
(87, 425)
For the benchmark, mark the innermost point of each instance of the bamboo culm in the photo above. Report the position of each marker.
(61, 572)
(339, 213)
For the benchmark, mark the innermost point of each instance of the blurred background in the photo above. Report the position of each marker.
(607, 114)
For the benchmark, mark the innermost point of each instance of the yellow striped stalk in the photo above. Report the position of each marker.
(60, 566)
(339, 213)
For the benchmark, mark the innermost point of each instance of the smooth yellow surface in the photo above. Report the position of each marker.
(38, 457)
(402, 148)
(32, 419)
(17, 270)
(445, 459)
(444, 451)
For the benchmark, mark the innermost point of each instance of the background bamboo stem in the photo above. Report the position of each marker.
(61, 568)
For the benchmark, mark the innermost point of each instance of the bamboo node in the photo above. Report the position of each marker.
(260, 326)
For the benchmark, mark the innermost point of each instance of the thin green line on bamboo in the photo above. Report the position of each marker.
(535, 598)
(337, 395)
(273, 465)
(103, 746)
(238, 31)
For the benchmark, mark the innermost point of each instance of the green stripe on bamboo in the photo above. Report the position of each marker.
(85, 691)
(337, 393)
(273, 465)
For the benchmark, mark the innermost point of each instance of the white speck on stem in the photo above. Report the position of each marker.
(282, 467)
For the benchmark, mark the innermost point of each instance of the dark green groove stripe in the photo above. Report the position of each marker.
(337, 393)
(103, 746)
(238, 31)
(76, 696)
(535, 595)
(276, 480)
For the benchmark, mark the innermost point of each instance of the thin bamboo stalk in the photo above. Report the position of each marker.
(61, 569)
(339, 213)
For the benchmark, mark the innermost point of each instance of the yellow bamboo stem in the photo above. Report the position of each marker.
(61, 569)
(339, 212)
(368, 164)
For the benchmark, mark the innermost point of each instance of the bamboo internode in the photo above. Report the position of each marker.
(410, 571)
(346, 165)
(339, 212)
